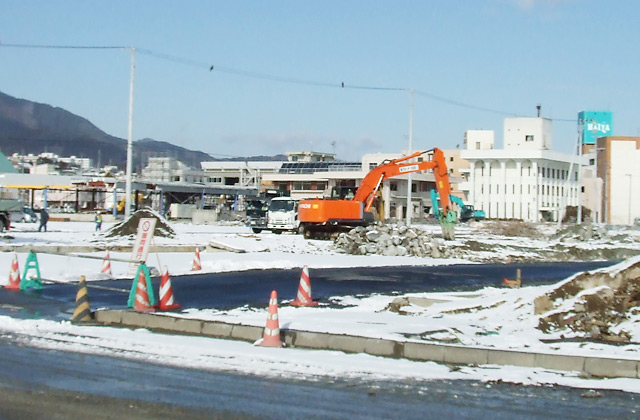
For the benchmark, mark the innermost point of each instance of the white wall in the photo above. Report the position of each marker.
(479, 139)
(527, 133)
(624, 182)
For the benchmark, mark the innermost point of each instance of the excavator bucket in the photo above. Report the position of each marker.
(448, 223)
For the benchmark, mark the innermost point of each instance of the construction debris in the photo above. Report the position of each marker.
(392, 240)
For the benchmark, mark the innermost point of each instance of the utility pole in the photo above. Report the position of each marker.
(409, 206)
(127, 201)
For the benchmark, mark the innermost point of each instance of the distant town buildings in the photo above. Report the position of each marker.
(525, 179)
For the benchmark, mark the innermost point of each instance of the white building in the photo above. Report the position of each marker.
(167, 169)
(525, 180)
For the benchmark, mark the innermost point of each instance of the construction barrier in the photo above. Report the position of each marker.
(271, 337)
(166, 293)
(31, 264)
(106, 265)
(141, 296)
(14, 275)
(303, 297)
(196, 261)
(82, 313)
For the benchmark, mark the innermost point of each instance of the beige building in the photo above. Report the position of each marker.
(617, 161)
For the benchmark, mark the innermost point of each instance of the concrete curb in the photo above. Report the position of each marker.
(441, 353)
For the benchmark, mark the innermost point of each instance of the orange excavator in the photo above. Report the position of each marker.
(322, 217)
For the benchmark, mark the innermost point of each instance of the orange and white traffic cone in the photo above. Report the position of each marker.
(166, 293)
(141, 302)
(106, 264)
(271, 337)
(196, 261)
(14, 275)
(304, 290)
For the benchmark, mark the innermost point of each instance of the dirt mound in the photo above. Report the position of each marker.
(130, 226)
(511, 228)
(592, 305)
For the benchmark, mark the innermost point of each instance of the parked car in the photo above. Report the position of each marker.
(27, 215)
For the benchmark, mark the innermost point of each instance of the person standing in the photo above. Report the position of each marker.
(98, 220)
(44, 218)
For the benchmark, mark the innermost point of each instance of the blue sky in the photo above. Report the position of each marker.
(279, 66)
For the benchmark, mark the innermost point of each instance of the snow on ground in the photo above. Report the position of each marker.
(491, 317)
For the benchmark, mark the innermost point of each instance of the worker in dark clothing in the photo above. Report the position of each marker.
(44, 218)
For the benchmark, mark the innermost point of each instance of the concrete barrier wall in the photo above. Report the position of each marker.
(441, 353)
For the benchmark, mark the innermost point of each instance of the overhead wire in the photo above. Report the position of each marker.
(281, 79)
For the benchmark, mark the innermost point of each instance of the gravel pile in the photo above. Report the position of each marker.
(392, 240)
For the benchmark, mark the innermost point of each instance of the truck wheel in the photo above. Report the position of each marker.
(277, 232)
(256, 230)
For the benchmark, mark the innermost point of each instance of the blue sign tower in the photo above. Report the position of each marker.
(594, 124)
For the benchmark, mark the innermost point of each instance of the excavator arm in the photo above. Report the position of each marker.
(371, 182)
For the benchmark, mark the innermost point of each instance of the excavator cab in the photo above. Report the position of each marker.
(343, 193)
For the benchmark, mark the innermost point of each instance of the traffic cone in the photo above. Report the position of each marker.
(14, 275)
(82, 313)
(304, 290)
(29, 280)
(106, 265)
(196, 261)
(141, 302)
(271, 336)
(166, 293)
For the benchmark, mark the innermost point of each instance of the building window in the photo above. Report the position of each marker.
(393, 186)
(592, 162)
(528, 137)
(372, 165)
(414, 188)
(302, 186)
(477, 145)
(451, 159)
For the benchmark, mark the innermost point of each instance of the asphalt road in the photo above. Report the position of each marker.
(252, 288)
(36, 383)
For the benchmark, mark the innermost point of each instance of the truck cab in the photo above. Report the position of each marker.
(283, 215)
(256, 214)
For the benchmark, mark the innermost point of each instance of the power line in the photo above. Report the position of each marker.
(274, 78)
(65, 47)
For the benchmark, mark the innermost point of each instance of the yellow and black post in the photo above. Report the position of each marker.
(82, 312)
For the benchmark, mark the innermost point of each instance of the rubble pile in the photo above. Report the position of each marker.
(593, 305)
(130, 226)
(583, 232)
(391, 240)
(511, 228)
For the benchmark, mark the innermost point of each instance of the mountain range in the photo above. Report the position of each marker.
(31, 127)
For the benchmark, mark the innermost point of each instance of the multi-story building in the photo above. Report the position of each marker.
(167, 169)
(524, 180)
